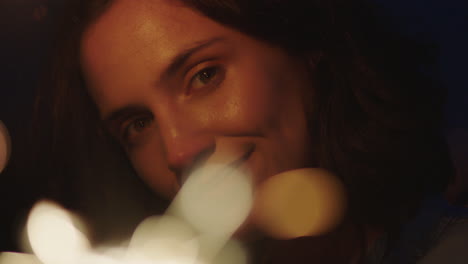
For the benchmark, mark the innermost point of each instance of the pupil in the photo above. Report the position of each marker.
(141, 123)
(208, 74)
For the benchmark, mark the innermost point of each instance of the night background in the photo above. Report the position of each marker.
(27, 27)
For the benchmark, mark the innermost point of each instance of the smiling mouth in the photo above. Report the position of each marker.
(228, 165)
(238, 162)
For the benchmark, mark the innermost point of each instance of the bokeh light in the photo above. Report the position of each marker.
(53, 236)
(215, 199)
(197, 228)
(18, 258)
(163, 239)
(232, 253)
(303, 202)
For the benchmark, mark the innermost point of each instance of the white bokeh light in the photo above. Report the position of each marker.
(18, 258)
(215, 199)
(197, 228)
(163, 239)
(53, 236)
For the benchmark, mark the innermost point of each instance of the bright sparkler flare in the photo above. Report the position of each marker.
(197, 228)
(215, 199)
(53, 236)
(18, 258)
(166, 239)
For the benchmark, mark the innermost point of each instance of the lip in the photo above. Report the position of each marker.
(229, 165)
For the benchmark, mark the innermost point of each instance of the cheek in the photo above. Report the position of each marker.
(267, 102)
(150, 164)
(251, 102)
(272, 104)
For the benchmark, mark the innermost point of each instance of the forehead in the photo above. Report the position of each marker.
(134, 40)
(129, 22)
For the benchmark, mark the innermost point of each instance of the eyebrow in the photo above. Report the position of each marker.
(122, 113)
(174, 66)
(178, 61)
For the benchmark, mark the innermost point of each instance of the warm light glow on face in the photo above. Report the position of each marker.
(5, 146)
(167, 112)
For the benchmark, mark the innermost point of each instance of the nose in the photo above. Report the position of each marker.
(182, 158)
(186, 142)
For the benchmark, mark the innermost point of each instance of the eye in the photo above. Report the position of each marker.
(135, 129)
(208, 77)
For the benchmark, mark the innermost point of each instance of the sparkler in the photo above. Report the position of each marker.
(196, 229)
(198, 226)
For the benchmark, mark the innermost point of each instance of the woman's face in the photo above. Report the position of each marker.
(177, 89)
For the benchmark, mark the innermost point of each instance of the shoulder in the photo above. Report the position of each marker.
(437, 234)
(451, 247)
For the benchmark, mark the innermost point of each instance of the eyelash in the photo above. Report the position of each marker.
(130, 125)
(214, 76)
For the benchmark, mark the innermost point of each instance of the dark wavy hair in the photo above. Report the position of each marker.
(377, 116)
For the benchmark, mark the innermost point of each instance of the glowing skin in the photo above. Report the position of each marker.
(230, 91)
